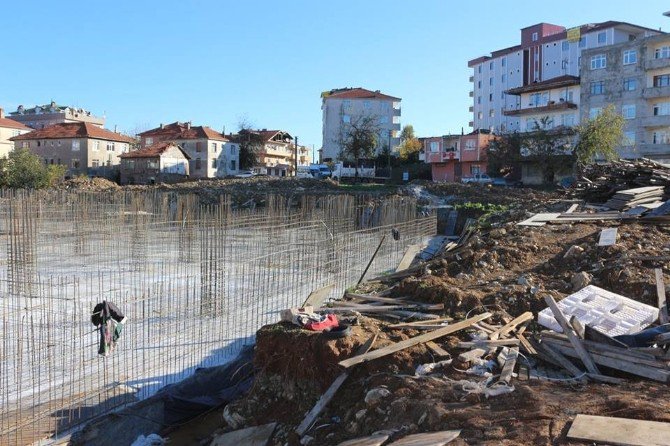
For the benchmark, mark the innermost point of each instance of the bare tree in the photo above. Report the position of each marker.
(359, 140)
(250, 142)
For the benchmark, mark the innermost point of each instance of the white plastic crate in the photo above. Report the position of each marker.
(603, 310)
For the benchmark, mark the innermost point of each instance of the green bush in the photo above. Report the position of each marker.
(24, 170)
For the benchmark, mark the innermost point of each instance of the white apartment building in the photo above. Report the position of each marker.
(546, 52)
(344, 106)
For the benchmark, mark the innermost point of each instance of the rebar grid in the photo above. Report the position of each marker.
(195, 281)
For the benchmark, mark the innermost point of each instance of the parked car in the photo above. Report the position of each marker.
(244, 174)
(303, 174)
(480, 178)
(506, 182)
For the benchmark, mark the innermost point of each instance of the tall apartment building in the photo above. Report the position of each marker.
(344, 106)
(42, 116)
(8, 129)
(516, 86)
(634, 77)
(212, 155)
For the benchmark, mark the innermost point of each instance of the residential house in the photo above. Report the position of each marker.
(81, 146)
(634, 77)
(275, 150)
(42, 116)
(343, 107)
(8, 129)
(546, 52)
(452, 157)
(164, 162)
(211, 154)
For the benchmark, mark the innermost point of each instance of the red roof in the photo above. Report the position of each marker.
(179, 130)
(154, 151)
(11, 124)
(74, 130)
(356, 93)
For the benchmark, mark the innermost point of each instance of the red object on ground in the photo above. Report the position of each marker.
(330, 322)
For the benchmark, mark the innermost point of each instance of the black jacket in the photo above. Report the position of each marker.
(105, 310)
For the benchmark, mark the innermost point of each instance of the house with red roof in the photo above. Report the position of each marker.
(83, 147)
(163, 162)
(343, 107)
(211, 154)
(8, 129)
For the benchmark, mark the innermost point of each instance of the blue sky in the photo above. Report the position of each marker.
(144, 62)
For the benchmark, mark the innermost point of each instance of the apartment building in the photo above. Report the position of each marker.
(211, 154)
(42, 116)
(8, 129)
(634, 77)
(509, 81)
(343, 106)
(84, 148)
(452, 157)
(275, 151)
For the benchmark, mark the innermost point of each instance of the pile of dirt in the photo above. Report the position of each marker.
(87, 184)
(461, 193)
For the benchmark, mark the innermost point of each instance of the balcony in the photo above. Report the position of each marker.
(472, 94)
(396, 112)
(442, 157)
(654, 150)
(550, 107)
(656, 92)
(471, 109)
(472, 79)
(471, 124)
(655, 121)
(653, 64)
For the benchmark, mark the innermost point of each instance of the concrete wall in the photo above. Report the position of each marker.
(335, 111)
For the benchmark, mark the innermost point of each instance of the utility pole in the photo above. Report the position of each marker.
(295, 160)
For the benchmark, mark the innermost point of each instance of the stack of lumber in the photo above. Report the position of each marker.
(598, 182)
(629, 198)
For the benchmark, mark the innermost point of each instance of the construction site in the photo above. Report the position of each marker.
(430, 314)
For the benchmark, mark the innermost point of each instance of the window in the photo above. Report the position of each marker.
(661, 137)
(595, 112)
(58, 143)
(567, 96)
(233, 164)
(503, 78)
(479, 68)
(110, 146)
(503, 61)
(213, 163)
(582, 42)
(383, 119)
(492, 113)
(470, 144)
(534, 37)
(346, 105)
(628, 138)
(565, 46)
(490, 97)
(480, 115)
(629, 57)
(491, 65)
(628, 111)
(598, 61)
(346, 119)
(502, 95)
(95, 163)
(662, 52)
(602, 38)
(490, 81)
(75, 163)
(629, 84)
(214, 147)
(568, 120)
(25, 145)
(198, 164)
(479, 84)
(75, 145)
(198, 147)
(598, 87)
(434, 146)
(96, 145)
(152, 164)
(662, 109)
(662, 81)
(479, 99)
(149, 141)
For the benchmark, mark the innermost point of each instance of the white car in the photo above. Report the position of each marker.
(244, 174)
(480, 178)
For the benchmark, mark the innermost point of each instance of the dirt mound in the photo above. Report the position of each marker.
(89, 184)
(461, 193)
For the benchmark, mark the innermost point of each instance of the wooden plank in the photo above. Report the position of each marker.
(574, 340)
(615, 353)
(562, 360)
(251, 436)
(619, 431)
(423, 322)
(408, 258)
(317, 297)
(607, 237)
(441, 438)
(437, 350)
(321, 404)
(421, 339)
(572, 208)
(511, 325)
(538, 220)
(489, 343)
(472, 355)
(660, 292)
(374, 440)
(526, 345)
(510, 362)
(395, 301)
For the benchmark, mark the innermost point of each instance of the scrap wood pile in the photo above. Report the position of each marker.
(598, 182)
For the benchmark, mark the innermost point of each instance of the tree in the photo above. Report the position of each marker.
(359, 140)
(410, 146)
(600, 136)
(504, 153)
(24, 170)
(549, 149)
(250, 144)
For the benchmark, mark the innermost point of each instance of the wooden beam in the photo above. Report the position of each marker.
(574, 340)
(511, 325)
(321, 404)
(428, 439)
(421, 339)
(510, 362)
(526, 345)
(424, 322)
(406, 261)
(562, 360)
(373, 440)
(619, 431)
(489, 343)
(437, 350)
(472, 355)
(660, 292)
